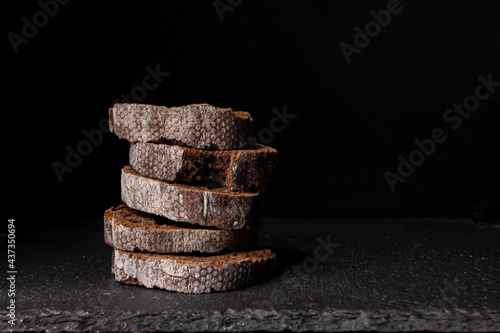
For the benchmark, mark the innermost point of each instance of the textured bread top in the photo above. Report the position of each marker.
(193, 274)
(200, 126)
(249, 170)
(218, 208)
(130, 230)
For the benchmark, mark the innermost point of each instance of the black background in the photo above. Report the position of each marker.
(352, 120)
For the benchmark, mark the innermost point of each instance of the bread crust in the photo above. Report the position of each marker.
(127, 229)
(200, 126)
(218, 208)
(193, 274)
(248, 170)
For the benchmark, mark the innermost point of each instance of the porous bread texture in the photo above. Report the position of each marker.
(248, 170)
(130, 230)
(200, 126)
(186, 203)
(192, 274)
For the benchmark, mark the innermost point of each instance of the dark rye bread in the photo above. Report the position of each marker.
(218, 207)
(237, 170)
(193, 274)
(201, 126)
(130, 230)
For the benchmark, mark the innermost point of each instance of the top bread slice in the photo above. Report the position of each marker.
(200, 126)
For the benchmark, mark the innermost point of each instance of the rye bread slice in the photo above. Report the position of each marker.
(201, 126)
(193, 274)
(218, 207)
(130, 230)
(237, 170)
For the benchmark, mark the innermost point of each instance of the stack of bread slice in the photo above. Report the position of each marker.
(186, 223)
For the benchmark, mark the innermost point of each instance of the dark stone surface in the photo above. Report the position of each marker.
(393, 275)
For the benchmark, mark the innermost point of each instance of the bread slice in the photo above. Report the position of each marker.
(237, 170)
(193, 274)
(130, 230)
(218, 208)
(201, 126)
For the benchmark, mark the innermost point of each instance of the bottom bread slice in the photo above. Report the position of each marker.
(193, 274)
